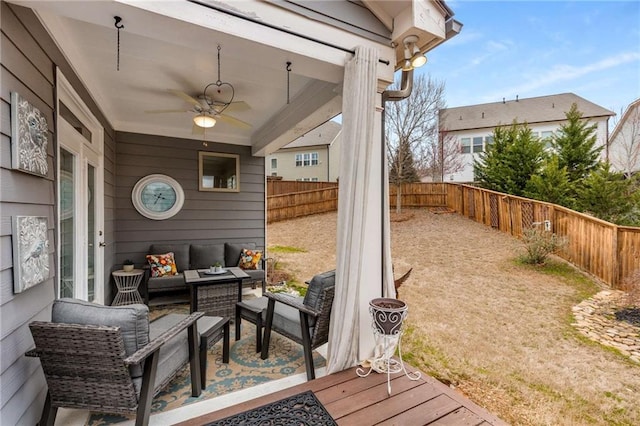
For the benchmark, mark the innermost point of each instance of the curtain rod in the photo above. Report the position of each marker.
(255, 21)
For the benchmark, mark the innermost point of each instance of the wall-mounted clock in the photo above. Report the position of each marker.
(157, 197)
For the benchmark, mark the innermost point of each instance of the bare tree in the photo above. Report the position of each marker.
(411, 131)
(444, 157)
(625, 151)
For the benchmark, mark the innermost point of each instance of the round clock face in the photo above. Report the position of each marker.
(157, 196)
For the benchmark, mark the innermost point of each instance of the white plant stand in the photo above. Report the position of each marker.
(388, 337)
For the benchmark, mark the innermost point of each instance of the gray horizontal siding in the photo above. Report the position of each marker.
(27, 70)
(206, 217)
(28, 61)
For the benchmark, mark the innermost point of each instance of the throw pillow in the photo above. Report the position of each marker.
(249, 259)
(162, 264)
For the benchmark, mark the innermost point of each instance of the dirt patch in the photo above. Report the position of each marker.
(499, 332)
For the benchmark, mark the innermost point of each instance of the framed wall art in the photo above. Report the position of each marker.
(29, 137)
(30, 252)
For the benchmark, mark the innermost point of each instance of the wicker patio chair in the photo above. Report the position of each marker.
(107, 368)
(303, 320)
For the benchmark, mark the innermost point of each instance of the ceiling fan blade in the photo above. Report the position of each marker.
(233, 121)
(163, 111)
(197, 130)
(238, 106)
(184, 96)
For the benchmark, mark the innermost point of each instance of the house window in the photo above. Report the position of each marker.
(488, 140)
(307, 159)
(314, 179)
(477, 144)
(546, 137)
(274, 163)
(274, 174)
(466, 145)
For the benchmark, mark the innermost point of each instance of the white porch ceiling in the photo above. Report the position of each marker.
(158, 53)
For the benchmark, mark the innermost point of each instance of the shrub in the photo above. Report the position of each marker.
(539, 244)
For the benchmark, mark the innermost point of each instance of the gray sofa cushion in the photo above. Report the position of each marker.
(133, 321)
(255, 274)
(180, 253)
(204, 256)
(167, 283)
(232, 252)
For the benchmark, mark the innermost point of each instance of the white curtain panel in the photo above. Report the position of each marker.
(357, 153)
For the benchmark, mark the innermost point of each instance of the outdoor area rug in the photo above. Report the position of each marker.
(245, 369)
(302, 409)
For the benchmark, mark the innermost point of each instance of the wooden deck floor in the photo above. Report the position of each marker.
(352, 400)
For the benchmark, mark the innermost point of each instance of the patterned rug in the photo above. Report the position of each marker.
(245, 369)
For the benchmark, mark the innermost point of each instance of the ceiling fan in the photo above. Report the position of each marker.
(209, 109)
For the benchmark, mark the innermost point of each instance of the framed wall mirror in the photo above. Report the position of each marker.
(219, 172)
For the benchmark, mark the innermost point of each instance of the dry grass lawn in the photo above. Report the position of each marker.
(496, 330)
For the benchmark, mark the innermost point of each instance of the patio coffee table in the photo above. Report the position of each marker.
(215, 294)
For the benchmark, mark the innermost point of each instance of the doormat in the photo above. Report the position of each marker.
(302, 409)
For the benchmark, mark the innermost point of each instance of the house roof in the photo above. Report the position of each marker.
(532, 110)
(626, 116)
(323, 135)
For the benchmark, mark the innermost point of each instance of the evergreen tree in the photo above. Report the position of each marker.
(551, 184)
(608, 196)
(508, 164)
(402, 167)
(575, 145)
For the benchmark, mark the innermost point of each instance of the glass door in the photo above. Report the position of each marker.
(80, 200)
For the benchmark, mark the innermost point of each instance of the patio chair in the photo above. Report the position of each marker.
(303, 320)
(101, 358)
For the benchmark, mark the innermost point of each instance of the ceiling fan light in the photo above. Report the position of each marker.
(204, 120)
(407, 65)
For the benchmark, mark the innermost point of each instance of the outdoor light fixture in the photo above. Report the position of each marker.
(413, 58)
(204, 120)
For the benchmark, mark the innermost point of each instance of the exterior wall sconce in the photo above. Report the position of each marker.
(413, 58)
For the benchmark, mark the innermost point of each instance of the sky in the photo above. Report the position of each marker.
(539, 48)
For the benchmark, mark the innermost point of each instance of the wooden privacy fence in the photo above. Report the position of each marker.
(304, 203)
(605, 250)
(279, 187)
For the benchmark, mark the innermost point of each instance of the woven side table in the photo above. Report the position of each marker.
(127, 284)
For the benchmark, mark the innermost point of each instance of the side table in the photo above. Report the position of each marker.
(127, 284)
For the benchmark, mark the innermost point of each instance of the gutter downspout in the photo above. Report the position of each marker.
(406, 86)
(452, 29)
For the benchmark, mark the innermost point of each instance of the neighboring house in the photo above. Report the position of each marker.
(624, 143)
(472, 126)
(313, 157)
(100, 95)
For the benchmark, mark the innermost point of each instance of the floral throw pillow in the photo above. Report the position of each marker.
(249, 259)
(162, 264)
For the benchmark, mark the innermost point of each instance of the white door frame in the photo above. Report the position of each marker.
(86, 153)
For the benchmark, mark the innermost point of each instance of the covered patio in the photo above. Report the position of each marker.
(130, 77)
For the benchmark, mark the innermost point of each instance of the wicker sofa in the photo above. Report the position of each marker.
(196, 256)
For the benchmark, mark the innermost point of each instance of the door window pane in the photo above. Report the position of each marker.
(91, 235)
(67, 223)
